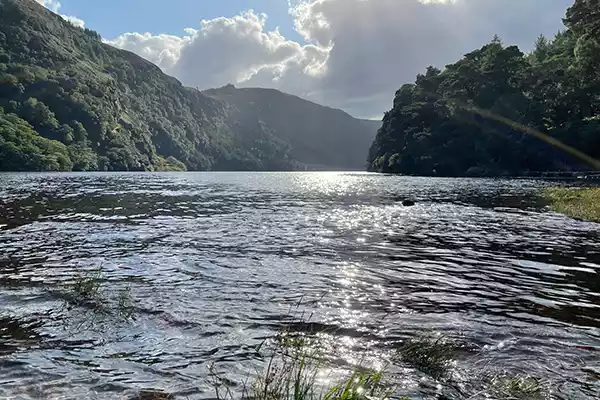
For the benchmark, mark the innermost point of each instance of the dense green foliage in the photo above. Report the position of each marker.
(113, 110)
(499, 111)
(22, 149)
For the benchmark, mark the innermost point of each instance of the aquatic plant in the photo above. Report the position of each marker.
(296, 379)
(88, 291)
(430, 354)
(518, 387)
(293, 365)
(366, 385)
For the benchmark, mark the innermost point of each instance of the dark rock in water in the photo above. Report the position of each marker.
(149, 394)
(408, 203)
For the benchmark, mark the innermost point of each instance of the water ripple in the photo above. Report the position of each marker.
(215, 261)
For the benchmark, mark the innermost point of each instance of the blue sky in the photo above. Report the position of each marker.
(114, 17)
(347, 54)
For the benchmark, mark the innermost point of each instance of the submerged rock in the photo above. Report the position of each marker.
(151, 394)
(408, 203)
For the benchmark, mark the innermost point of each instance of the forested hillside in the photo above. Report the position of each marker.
(314, 133)
(70, 102)
(486, 114)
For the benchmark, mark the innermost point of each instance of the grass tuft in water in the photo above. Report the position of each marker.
(362, 386)
(293, 365)
(88, 292)
(87, 288)
(518, 388)
(580, 203)
(430, 354)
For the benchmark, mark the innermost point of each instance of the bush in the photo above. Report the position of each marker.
(22, 149)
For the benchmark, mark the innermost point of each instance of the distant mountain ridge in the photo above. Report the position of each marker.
(68, 101)
(318, 135)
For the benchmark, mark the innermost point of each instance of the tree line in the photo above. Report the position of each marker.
(476, 116)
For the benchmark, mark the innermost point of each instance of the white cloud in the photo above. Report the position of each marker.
(355, 53)
(163, 50)
(229, 50)
(78, 22)
(380, 44)
(54, 6)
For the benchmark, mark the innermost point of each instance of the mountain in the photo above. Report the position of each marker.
(318, 136)
(68, 101)
(498, 111)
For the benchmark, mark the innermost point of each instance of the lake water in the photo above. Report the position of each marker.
(212, 263)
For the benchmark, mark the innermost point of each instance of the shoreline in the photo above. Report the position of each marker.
(578, 203)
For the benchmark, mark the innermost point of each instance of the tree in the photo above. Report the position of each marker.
(66, 134)
(541, 49)
(38, 114)
(22, 149)
(473, 117)
(79, 133)
(584, 17)
(84, 158)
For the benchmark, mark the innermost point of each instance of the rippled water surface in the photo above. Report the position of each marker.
(212, 262)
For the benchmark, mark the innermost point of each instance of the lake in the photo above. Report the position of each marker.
(211, 264)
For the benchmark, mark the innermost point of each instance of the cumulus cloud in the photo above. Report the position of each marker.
(229, 50)
(54, 6)
(354, 54)
(380, 44)
(163, 50)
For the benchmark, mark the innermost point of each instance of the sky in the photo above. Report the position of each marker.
(348, 54)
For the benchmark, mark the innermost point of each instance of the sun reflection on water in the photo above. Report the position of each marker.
(330, 182)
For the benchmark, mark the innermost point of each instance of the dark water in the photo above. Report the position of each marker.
(213, 262)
